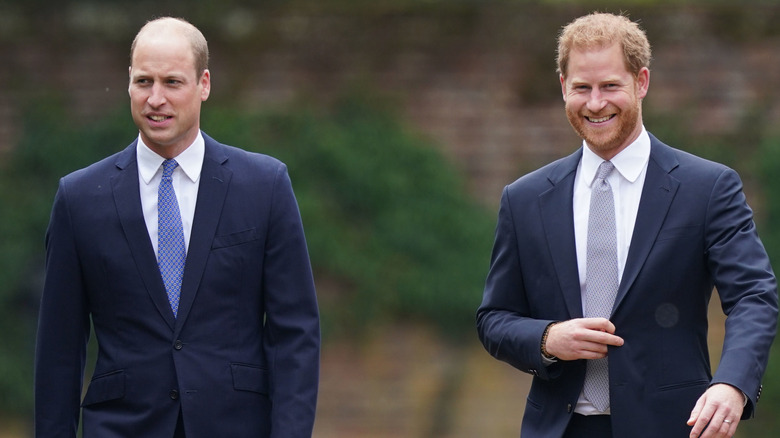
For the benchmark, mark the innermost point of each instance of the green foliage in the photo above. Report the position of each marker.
(390, 232)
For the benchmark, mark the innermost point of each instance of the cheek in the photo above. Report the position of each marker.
(137, 98)
(572, 104)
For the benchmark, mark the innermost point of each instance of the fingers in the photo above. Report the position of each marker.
(600, 324)
(695, 415)
(598, 331)
(716, 413)
(608, 339)
(718, 427)
(728, 427)
(582, 338)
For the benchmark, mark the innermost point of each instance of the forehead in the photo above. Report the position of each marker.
(161, 52)
(598, 61)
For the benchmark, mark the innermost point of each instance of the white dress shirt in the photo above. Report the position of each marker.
(627, 183)
(186, 178)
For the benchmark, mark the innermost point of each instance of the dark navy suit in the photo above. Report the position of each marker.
(693, 231)
(242, 357)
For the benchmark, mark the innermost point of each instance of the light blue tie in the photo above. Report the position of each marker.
(601, 278)
(171, 252)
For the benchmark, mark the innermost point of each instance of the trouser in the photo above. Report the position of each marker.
(589, 426)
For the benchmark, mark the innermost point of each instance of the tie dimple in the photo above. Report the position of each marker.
(171, 251)
(601, 278)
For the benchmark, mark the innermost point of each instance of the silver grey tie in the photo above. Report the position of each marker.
(601, 278)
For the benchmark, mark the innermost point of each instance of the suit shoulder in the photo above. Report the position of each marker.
(98, 170)
(702, 163)
(249, 169)
(238, 157)
(686, 165)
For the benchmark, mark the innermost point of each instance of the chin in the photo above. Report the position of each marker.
(603, 145)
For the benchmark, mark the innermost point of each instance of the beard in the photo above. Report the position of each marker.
(614, 138)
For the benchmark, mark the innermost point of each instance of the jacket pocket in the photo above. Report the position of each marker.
(684, 384)
(105, 387)
(233, 239)
(250, 378)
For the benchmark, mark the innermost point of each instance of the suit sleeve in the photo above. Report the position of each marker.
(504, 324)
(292, 335)
(63, 330)
(746, 285)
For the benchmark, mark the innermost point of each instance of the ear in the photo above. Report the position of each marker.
(642, 82)
(130, 78)
(563, 87)
(205, 85)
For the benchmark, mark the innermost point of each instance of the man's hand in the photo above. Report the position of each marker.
(718, 410)
(581, 338)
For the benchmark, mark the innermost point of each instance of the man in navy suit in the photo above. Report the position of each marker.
(680, 226)
(213, 335)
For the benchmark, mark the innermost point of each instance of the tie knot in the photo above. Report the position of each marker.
(605, 168)
(168, 167)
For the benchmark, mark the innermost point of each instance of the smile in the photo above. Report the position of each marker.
(600, 119)
(159, 118)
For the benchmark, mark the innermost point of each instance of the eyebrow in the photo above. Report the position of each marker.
(609, 80)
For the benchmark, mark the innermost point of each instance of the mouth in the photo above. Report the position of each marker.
(158, 118)
(598, 120)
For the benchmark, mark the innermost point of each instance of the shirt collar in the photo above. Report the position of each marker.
(630, 162)
(190, 160)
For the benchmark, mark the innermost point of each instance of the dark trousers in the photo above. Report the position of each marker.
(589, 426)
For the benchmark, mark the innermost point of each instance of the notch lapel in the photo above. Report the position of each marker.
(127, 198)
(214, 183)
(557, 210)
(657, 195)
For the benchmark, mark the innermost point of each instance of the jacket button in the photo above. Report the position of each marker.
(174, 394)
(568, 408)
(178, 344)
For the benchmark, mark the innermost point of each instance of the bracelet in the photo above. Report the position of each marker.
(544, 342)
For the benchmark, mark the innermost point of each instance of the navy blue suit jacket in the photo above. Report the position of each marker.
(242, 357)
(693, 231)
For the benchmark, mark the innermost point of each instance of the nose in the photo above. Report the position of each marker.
(157, 96)
(596, 101)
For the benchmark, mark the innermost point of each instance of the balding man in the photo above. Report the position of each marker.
(188, 258)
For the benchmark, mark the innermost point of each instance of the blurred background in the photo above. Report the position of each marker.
(400, 121)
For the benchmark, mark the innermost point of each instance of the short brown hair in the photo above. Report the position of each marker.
(200, 47)
(601, 30)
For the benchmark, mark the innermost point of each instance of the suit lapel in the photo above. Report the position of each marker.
(127, 198)
(214, 183)
(657, 195)
(558, 222)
